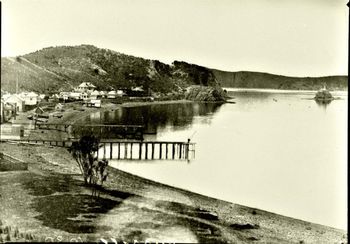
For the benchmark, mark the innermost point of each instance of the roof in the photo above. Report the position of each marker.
(95, 93)
(112, 92)
(32, 94)
(139, 88)
(14, 96)
(86, 85)
(39, 110)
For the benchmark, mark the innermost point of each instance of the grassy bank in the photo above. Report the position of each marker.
(50, 201)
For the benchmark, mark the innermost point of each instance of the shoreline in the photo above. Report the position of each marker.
(270, 90)
(234, 222)
(227, 222)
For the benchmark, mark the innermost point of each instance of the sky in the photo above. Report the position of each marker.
(287, 37)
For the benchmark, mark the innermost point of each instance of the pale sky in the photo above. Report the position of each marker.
(287, 37)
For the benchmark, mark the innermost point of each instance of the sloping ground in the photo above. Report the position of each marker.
(57, 68)
(245, 79)
(50, 202)
(28, 76)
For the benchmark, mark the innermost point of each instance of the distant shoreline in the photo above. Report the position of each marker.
(275, 90)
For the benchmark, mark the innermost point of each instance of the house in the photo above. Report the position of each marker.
(103, 94)
(94, 95)
(39, 110)
(30, 98)
(84, 96)
(75, 95)
(112, 94)
(136, 92)
(85, 87)
(64, 95)
(17, 101)
(120, 93)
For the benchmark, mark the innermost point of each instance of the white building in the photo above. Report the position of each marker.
(85, 87)
(112, 94)
(75, 95)
(94, 94)
(103, 94)
(30, 98)
(64, 95)
(17, 101)
(84, 96)
(120, 93)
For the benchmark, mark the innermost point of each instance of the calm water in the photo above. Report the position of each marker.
(274, 151)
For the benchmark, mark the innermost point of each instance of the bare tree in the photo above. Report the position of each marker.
(83, 151)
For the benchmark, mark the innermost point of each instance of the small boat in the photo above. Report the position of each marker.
(323, 95)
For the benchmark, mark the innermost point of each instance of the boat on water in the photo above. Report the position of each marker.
(323, 95)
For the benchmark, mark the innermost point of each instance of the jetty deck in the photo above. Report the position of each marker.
(128, 149)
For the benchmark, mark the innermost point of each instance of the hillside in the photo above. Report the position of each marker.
(245, 79)
(61, 68)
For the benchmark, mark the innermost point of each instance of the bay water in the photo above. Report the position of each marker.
(274, 150)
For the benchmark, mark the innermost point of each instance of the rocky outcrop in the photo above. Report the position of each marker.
(324, 95)
(205, 94)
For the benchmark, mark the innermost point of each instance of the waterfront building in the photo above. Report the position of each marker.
(95, 94)
(75, 95)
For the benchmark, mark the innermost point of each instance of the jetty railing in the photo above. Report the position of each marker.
(146, 150)
(102, 130)
(128, 149)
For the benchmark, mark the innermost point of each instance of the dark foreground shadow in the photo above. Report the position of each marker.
(62, 205)
(62, 202)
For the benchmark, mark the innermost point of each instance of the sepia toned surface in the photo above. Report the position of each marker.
(174, 121)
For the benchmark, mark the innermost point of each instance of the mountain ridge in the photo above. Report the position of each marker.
(54, 69)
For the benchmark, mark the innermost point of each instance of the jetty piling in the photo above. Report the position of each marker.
(129, 149)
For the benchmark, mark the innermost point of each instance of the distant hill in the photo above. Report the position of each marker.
(55, 69)
(61, 68)
(245, 79)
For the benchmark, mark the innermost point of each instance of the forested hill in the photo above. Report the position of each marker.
(61, 68)
(245, 79)
(55, 69)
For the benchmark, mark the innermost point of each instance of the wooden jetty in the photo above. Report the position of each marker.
(146, 150)
(129, 149)
(101, 130)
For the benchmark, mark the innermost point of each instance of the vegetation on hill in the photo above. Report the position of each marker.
(61, 68)
(55, 69)
(245, 79)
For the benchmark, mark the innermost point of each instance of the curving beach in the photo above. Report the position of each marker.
(50, 202)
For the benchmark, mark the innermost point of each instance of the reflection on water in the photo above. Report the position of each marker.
(154, 117)
(280, 152)
(323, 103)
